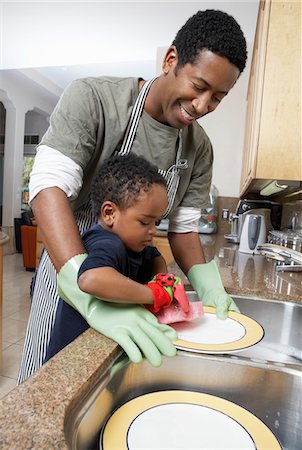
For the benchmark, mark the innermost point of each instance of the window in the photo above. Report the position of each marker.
(31, 139)
(28, 162)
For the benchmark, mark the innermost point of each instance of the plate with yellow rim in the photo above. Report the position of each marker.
(177, 419)
(208, 334)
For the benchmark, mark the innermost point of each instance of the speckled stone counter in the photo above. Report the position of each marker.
(248, 275)
(32, 415)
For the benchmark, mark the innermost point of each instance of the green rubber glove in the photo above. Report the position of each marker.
(134, 328)
(205, 280)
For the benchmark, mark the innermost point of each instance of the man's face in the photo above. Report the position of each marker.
(195, 89)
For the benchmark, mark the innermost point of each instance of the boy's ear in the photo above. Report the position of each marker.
(170, 60)
(108, 213)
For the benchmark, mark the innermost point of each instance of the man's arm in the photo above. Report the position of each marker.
(186, 249)
(132, 328)
(58, 228)
(204, 277)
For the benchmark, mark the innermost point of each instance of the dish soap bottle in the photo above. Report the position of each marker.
(208, 219)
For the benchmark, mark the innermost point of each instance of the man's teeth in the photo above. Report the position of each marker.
(185, 114)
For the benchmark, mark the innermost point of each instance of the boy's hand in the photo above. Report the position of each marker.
(133, 327)
(167, 287)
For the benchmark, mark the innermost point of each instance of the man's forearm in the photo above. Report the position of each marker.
(57, 225)
(186, 249)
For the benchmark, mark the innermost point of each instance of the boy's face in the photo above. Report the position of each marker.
(135, 225)
(195, 89)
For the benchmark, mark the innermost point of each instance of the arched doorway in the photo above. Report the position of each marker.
(36, 123)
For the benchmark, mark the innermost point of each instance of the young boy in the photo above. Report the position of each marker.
(128, 197)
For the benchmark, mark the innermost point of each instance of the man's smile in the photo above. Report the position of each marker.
(187, 118)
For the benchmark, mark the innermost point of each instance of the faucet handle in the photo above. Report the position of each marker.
(280, 253)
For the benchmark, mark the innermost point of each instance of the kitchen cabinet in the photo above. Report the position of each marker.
(272, 146)
(163, 246)
(28, 240)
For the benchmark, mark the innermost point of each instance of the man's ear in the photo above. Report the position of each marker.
(170, 60)
(108, 213)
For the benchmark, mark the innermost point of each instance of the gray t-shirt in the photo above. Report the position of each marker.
(89, 123)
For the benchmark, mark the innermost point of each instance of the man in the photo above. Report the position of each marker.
(157, 120)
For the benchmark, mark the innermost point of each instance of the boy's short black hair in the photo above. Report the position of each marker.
(211, 30)
(120, 179)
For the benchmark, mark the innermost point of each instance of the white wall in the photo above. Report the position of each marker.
(18, 95)
(71, 32)
(125, 35)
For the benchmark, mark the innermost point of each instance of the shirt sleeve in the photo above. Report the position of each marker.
(106, 251)
(75, 122)
(184, 220)
(53, 169)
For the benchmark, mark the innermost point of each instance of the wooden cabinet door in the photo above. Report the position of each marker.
(163, 246)
(254, 96)
(279, 146)
(272, 147)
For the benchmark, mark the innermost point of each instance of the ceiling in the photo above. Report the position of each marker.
(63, 75)
(67, 40)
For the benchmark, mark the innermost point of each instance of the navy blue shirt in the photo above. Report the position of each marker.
(106, 249)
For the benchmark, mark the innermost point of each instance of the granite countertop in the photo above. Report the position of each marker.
(248, 275)
(32, 415)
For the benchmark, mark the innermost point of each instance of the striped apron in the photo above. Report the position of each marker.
(45, 299)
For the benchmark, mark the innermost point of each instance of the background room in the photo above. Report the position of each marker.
(45, 45)
(100, 38)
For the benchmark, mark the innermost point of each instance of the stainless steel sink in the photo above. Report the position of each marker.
(282, 323)
(266, 381)
(274, 396)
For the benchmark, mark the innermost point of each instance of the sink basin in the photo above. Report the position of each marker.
(265, 379)
(281, 321)
(271, 394)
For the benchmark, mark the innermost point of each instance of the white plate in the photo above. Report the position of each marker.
(211, 335)
(185, 420)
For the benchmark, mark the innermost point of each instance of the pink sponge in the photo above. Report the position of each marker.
(174, 313)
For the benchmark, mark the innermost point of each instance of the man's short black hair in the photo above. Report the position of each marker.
(120, 179)
(211, 30)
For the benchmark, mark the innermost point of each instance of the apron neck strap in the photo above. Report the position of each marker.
(134, 118)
